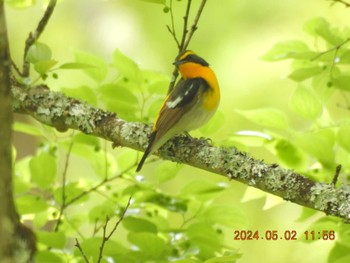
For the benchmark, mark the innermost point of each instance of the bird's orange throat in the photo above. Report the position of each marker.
(194, 70)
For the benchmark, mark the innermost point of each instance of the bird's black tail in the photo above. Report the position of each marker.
(147, 152)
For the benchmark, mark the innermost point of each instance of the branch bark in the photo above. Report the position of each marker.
(61, 112)
(17, 243)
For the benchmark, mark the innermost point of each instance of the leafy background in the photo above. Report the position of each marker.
(117, 55)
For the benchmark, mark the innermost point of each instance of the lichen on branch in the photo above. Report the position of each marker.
(61, 112)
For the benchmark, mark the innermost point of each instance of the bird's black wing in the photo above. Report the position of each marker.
(185, 91)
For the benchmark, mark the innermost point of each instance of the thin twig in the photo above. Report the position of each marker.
(186, 37)
(106, 237)
(35, 36)
(336, 175)
(194, 25)
(96, 187)
(64, 180)
(342, 2)
(185, 30)
(172, 29)
(336, 48)
(106, 160)
(186, 220)
(14, 66)
(77, 244)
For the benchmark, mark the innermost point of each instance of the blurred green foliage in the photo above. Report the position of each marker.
(71, 182)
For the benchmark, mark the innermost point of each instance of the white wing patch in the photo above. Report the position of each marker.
(172, 104)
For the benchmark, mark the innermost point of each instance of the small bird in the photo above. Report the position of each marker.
(191, 103)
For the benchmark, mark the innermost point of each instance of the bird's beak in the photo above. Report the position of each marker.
(178, 63)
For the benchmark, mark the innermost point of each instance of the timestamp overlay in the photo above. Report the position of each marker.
(288, 235)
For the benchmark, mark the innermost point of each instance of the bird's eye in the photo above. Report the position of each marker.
(189, 57)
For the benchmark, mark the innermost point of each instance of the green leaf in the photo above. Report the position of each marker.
(289, 49)
(205, 239)
(170, 203)
(155, 82)
(127, 67)
(289, 154)
(319, 144)
(27, 128)
(339, 254)
(202, 187)
(268, 117)
(305, 103)
(322, 86)
(30, 204)
(43, 169)
(343, 136)
(185, 261)
(214, 124)
(225, 215)
(84, 93)
(119, 92)
(306, 213)
(343, 234)
(150, 244)
(155, 107)
(101, 212)
(76, 65)
(342, 82)
(344, 57)
(46, 256)
(119, 98)
(20, 3)
(114, 248)
(91, 247)
(102, 161)
(248, 138)
(167, 171)
(39, 52)
(72, 190)
(21, 186)
(42, 67)
(135, 224)
(224, 259)
(85, 139)
(321, 27)
(158, 87)
(302, 74)
(162, 2)
(51, 239)
(99, 72)
(127, 159)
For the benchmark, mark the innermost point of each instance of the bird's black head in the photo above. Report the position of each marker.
(189, 56)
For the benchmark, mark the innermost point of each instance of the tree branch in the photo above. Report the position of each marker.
(62, 112)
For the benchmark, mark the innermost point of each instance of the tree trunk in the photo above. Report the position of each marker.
(17, 243)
